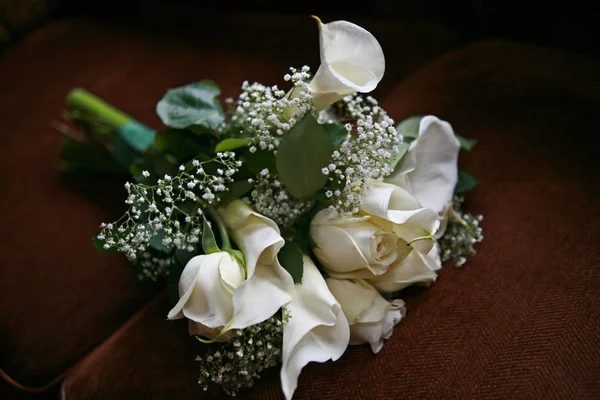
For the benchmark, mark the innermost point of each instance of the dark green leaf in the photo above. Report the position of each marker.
(232, 144)
(156, 242)
(465, 182)
(290, 258)
(397, 155)
(259, 160)
(209, 243)
(409, 128)
(190, 105)
(466, 144)
(183, 144)
(76, 157)
(302, 238)
(337, 134)
(236, 190)
(303, 152)
(157, 164)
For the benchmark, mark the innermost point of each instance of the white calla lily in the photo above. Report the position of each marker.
(268, 284)
(317, 330)
(430, 170)
(371, 317)
(351, 61)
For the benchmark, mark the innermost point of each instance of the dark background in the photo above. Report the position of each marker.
(567, 25)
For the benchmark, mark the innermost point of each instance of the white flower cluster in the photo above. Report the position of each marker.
(168, 214)
(366, 155)
(463, 233)
(270, 198)
(237, 364)
(266, 113)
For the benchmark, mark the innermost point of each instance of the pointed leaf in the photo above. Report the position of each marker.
(190, 105)
(232, 144)
(302, 153)
(290, 258)
(466, 144)
(409, 128)
(209, 243)
(465, 182)
(337, 134)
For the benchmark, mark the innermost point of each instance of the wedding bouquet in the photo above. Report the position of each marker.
(288, 222)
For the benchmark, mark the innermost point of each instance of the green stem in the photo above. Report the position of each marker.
(419, 238)
(82, 99)
(225, 243)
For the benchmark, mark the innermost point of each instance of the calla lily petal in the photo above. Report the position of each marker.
(267, 286)
(431, 170)
(351, 61)
(317, 330)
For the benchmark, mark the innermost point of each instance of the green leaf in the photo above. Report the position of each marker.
(156, 242)
(409, 128)
(290, 258)
(258, 161)
(337, 134)
(191, 105)
(183, 144)
(209, 243)
(236, 190)
(232, 144)
(302, 153)
(465, 182)
(302, 238)
(77, 157)
(466, 144)
(398, 154)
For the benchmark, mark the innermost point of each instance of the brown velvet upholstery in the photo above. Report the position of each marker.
(520, 320)
(59, 298)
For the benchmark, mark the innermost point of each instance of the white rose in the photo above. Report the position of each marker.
(351, 61)
(392, 210)
(416, 267)
(346, 244)
(430, 170)
(206, 290)
(371, 317)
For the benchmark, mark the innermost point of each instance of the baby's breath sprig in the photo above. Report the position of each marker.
(168, 214)
(270, 198)
(266, 113)
(463, 232)
(366, 155)
(237, 363)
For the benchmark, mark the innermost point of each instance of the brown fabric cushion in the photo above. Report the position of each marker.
(520, 320)
(59, 297)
